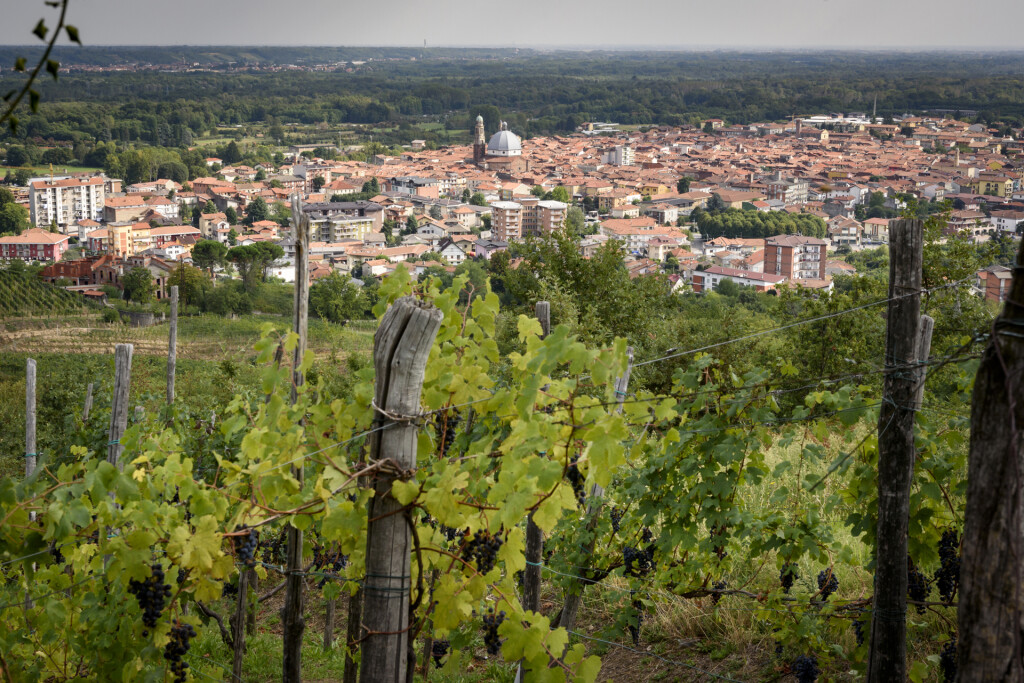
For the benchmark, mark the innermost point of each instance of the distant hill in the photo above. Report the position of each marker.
(23, 295)
(108, 55)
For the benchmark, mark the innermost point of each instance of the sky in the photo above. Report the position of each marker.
(593, 24)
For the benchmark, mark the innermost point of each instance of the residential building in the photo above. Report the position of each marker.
(795, 257)
(619, 155)
(339, 221)
(1007, 221)
(994, 282)
(65, 201)
(788, 190)
(529, 216)
(35, 244)
(708, 280)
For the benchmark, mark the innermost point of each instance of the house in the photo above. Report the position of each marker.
(707, 280)
(486, 248)
(994, 282)
(451, 252)
(35, 244)
(1008, 221)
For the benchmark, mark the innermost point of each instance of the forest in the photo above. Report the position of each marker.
(538, 93)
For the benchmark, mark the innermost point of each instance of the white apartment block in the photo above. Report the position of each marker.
(66, 200)
(530, 216)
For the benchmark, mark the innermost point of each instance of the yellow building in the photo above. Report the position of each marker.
(993, 186)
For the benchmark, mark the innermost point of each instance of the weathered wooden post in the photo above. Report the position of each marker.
(238, 624)
(30, 417)
(888, 652)
(401, 347)
(292, 620)
(991, 571)
(172, 345)
(119, 405)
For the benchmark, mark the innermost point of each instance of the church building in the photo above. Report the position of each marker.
(503, 153)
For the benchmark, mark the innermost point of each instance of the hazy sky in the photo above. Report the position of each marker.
(679, 24)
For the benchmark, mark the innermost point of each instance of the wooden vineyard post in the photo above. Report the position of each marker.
(534, 536)
(31, 456)
(238, 624)
(574, 594)
(172, 345)
(401, 346)
(119, 405)
(887, 653)
(87, 408)
(991, 570)
(292, 619)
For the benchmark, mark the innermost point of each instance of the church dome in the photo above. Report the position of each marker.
(504, 143)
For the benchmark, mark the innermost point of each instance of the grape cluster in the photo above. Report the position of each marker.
(576, 479)
(917, 585)
(484, 549)
(947, 578)
(947, 660)
(638, 562)
(616, 516)
(719, 548)
(805, 668)
(634, 629)
(329, 562)
(491, 623)
(438, 650)
(230, 589)
(449, 533)
(246, 549)
(788, 575)
(718, 586)
(828, 583)
(445, 425)
(56, 554)
(274, 549)
(646, 535)
(151, 594)
(858, 629)
(177, 647)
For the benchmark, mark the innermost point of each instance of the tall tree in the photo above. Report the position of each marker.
(683, 185)
(209, 254)
(138, 285)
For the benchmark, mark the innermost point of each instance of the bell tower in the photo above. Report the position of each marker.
(479, 142)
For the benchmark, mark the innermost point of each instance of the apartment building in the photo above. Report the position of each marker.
(66, 200)
(529, 216)
(795, 257)
(339, 221)
(788, 190)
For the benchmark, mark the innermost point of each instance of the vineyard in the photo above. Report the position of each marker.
(22, 295)
(459, 510)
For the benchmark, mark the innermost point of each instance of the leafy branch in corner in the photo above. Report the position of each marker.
(14, 97)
